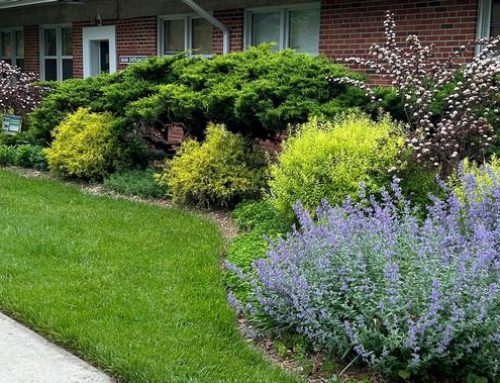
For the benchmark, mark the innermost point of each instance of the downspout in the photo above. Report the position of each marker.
(226, 37)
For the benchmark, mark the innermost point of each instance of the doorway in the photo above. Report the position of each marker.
(99, 50)
(99, 57)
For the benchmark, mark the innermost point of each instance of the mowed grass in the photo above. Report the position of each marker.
(134, 289)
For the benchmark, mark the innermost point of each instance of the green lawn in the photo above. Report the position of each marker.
(132, 288)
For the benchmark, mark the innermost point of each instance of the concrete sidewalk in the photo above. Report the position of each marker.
(26, 357)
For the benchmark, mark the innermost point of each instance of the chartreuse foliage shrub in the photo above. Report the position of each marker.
(372, 281)
(328, 160)
(218, 173)
(484, 176)
(141, 183)
(84, 146)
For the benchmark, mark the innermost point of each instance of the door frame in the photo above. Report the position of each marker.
(90, 34)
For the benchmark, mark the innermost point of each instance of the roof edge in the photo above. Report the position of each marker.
(4, 4)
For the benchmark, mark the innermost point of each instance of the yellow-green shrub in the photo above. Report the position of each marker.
(484, 176)
(217, 173)
(84, 146)
(329, 160)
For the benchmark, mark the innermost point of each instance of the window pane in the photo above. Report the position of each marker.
(495, 11)
(67, 67)
(19, 44)
(20, 63)
(174, 36)
(51, 69)
(202, 37)
(6, 45)
(50, 42)
(495, 31)
(266, 28)
(67, 41)
(304, 30)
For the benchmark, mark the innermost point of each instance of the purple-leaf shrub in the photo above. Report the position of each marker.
(18, 93)
(465, 128)
(403, 294)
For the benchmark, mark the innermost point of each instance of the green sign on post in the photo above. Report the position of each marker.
(11, 124)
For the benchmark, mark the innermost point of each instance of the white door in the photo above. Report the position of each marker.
(99, 50)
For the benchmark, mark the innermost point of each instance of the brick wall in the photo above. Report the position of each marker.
(136, 36)
(32, 49)
(348, 27)
(233, 18)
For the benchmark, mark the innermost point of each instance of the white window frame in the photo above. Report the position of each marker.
(188, 33)
(59, 56)
(90, 34)
(284, 11)
(14, 57)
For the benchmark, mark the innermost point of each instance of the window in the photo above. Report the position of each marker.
(295, 27)
(488, 23)
(495, 18)
(12, 46)
(185, 33)
(56, 53)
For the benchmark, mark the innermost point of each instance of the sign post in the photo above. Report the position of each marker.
(11, 124)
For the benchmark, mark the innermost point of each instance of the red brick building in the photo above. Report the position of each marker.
(77, 38)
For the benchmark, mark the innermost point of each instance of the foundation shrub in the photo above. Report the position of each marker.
(328, 160)
(66, 97)
(85, 146)
(218, 173)
(256, 92)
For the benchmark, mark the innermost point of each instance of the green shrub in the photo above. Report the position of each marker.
(84, 146)
(25, 155)
(260, 216)
(258, 220)
(140, 183)
(7, 155)
(218, 173)
(66, 98)
(330, 160)
(20, 138)
(30, 156)
(256, 92)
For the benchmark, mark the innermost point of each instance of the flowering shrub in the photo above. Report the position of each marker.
(407, 297)
(464, 128)
(18, 94)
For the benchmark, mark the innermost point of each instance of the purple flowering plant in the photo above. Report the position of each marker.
(372, 281)
(18, 92)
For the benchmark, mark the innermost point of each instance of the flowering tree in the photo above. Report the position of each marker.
(18, 93)
(465, 128)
